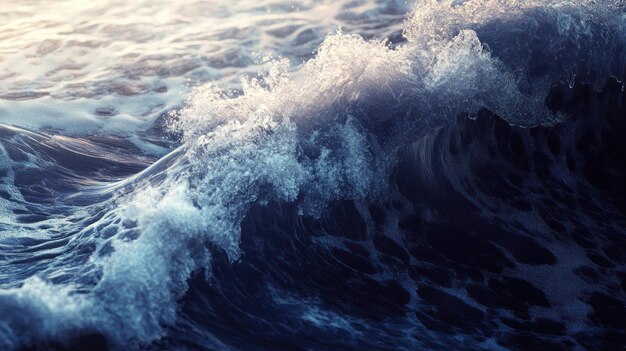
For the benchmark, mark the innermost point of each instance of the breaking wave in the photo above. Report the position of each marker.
(325, 200)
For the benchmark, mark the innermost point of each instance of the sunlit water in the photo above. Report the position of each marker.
(312, 175)
(85, 65)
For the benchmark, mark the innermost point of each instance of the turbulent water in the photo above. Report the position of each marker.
(313, 175)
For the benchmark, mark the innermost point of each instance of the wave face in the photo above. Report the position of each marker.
(457, 186)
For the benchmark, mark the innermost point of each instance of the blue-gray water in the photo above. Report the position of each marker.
(313, 175)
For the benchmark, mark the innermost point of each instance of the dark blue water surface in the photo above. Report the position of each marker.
(460, 185)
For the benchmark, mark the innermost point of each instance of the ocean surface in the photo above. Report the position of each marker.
(313, 175)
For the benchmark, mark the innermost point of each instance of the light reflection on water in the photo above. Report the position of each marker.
(80, 66)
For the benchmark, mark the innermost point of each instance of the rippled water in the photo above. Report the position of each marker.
(118, 65)
(313, 175)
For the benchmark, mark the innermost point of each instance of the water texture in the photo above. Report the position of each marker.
(313, 175)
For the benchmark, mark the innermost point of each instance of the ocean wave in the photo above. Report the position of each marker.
(317, 149)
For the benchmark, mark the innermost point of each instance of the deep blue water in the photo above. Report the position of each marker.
(444, 175)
